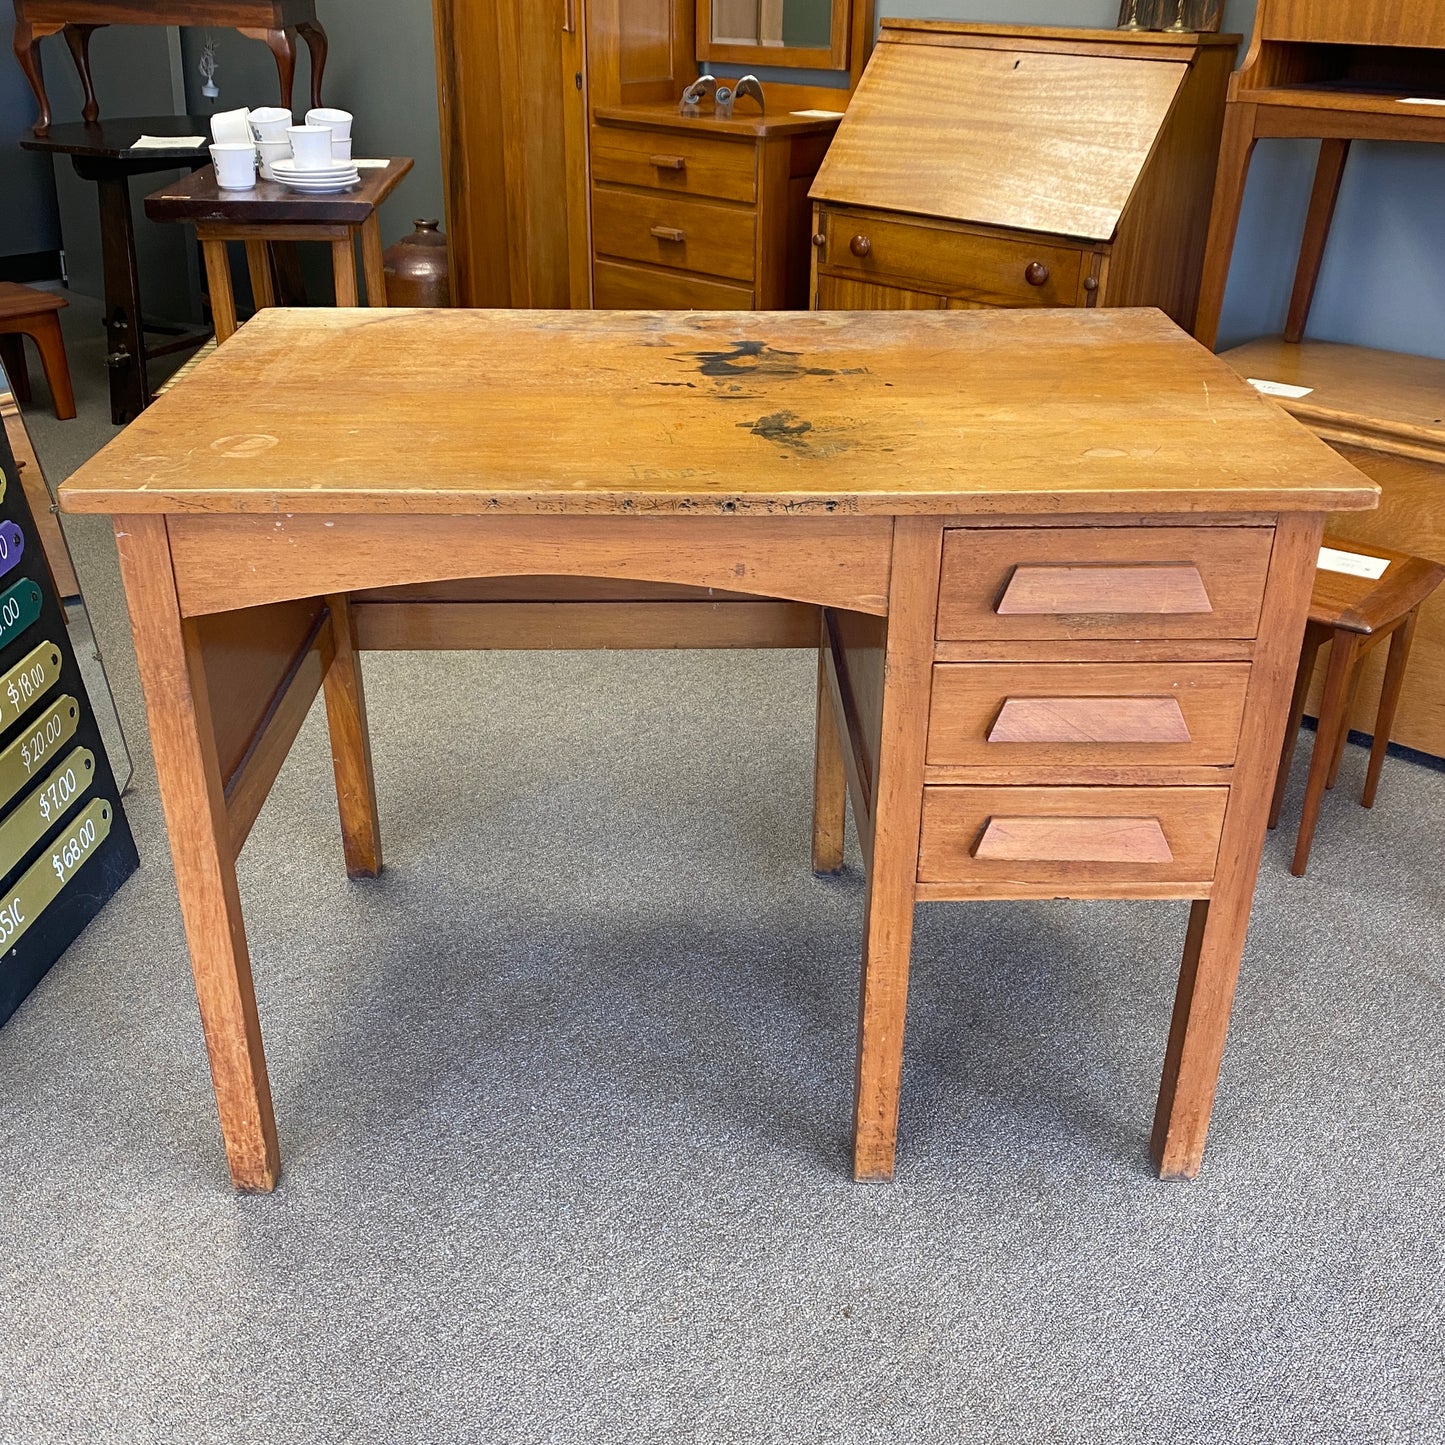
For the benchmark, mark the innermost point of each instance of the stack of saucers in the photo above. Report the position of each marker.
(314, 180)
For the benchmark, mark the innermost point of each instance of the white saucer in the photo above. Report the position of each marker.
(319, 188)
(290, 171)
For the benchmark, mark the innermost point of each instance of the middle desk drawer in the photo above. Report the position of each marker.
(1116, 714)
(676, 231)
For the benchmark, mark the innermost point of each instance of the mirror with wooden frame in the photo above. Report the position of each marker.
(807, 34)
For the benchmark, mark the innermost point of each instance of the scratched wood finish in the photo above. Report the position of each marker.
(616, 412)
(836, 561)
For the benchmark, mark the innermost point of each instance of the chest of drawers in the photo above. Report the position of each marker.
(694, 213)
(983, 166)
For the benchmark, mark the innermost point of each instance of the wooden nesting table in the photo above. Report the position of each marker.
(1059, 564)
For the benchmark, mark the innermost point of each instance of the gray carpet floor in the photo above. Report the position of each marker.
(564, 1097)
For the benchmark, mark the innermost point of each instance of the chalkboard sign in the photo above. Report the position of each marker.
(65, 845)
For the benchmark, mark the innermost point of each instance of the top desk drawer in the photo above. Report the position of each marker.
(1122, 583)
(995, 270)
(696, 165)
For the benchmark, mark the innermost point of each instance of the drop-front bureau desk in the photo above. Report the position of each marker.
(1059, 564)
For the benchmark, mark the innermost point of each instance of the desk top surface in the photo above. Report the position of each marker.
(351, 411)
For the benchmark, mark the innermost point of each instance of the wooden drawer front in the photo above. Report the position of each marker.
(1070, 837)
(990, 269)
(1126, 583)
(674, 231)
(616, 287)
(1092, 714)
(664, 161)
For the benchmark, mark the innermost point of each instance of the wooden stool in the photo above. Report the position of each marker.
(269, 213)
(25, 311)
(1353, 614)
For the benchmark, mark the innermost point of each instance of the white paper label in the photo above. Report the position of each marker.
(1352, 564)
(169, 143)
(1422, 100)
(1279, 388)
(817, 114)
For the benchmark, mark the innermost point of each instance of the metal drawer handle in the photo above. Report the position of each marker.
(670, 163)
(668, 233)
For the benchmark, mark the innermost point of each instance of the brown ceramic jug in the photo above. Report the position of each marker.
(417, 271)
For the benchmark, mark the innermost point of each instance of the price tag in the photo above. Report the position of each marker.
(27, 824)
(19, 609)
(12, 546)
(1353, 564)
(1280, 388)
(27, 682)
(40, 885)
(22, 759)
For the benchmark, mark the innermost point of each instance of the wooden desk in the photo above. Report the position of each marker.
(277, 22)
(1062, 562)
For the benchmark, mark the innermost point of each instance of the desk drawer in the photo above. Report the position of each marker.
(665, 161)
(617, 287)
(1136, 714)
(1123, 583)
(688, 235)
(992, 270)
(1070, 838)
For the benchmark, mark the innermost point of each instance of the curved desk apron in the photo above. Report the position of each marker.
(1060, 564)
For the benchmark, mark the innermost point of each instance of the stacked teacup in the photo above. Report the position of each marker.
(312, 157)
(269, 125)
(320, 154)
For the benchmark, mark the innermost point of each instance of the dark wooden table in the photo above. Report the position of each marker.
(277, 22)
(105, 153)
(269, 213)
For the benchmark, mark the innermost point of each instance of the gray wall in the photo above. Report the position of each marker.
(29, 217)
(1383, 282)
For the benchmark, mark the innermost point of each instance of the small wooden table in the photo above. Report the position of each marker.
(105, 152)
(269, 213)
(1059, 563)
(277, 22)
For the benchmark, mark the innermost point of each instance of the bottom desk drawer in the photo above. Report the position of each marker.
(1070, 837)
(639, 288)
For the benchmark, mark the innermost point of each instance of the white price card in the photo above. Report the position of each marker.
(1279, 388)
(1421, 100)
(817, 114)
(1352, 564)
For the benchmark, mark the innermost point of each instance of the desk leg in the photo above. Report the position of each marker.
(1328, 174)
(351, 747)
(830, 782)
(343, 265)
(130, 391)
(218, 282)
(77, 39)
(282, 43)
(258, 263)
(1235, 153)
(372, 263)
(315, 38)
(897, 819)
(187, 770)
(1217, 926)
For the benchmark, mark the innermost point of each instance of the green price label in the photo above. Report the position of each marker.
(27, 824)
(41, 883)
(27, 682)
(22, 759)
(19, 609)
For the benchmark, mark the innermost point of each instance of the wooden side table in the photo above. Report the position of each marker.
(24, 311)
(1332, 70)
(1352, 614)
(277, 22)
(269, 213)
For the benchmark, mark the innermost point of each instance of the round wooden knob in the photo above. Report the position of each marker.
(1091, 284)
(860, 246)
(1036, 273)
(819, 239)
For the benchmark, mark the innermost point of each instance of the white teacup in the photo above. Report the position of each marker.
(270, 123)
(231, 127)
(311, 145)
(279, 150)
(338, 122)
(340, 149)
(235, 166)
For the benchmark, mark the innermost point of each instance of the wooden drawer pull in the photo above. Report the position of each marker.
(670, 163)
(1036, 273)
(1166, 589)
(1090, 720)
(668, 233)
(1074, 840)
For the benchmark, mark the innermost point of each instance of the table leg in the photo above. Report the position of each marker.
(372, 263)
(1235, 153)
(314, 35)
(77, 39)
(1389, 700)
(343, 265)
(351, 747)
(1214, 944)
(130, 391)
(218, 282)
(1308, 657)
(897, 819)
(194, 803)
(1328, 174)
(830, 782)
(258, 263)
(1343, 736)
(282, 44)
(1334, 720)
(26, 44)
(12, 358)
